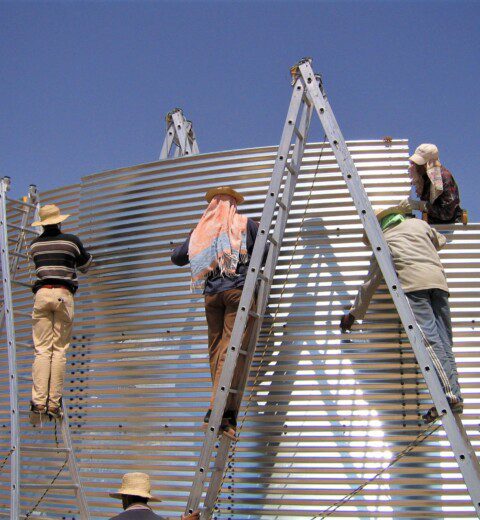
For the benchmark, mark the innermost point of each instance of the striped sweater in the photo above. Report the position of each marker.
(57, 256)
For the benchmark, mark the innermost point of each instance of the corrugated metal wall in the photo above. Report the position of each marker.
(327, 410)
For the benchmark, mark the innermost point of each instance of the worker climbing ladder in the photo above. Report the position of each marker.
(179, 133)
(9, 262)
(308, 95)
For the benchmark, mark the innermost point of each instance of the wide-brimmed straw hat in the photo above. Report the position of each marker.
(136, 484)
(426, 152)
(224, 190)
(49, 214)
(380, 213)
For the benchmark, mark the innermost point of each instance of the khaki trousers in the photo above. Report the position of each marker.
(52, 332)
(220, 310)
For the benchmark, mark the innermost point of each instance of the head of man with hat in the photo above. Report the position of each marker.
(135, 493)
(50, 215)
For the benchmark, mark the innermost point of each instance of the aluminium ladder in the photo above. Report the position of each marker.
(9, 262)
(308, 95)
(179, 133)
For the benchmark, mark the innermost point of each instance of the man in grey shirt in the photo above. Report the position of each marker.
(413, 245)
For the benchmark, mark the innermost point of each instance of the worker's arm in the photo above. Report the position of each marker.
(83, 259)
(438, 240)
(192, 516)
(180, 254)
(364, 296)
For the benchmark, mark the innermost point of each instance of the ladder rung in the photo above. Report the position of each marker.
(54, 486)
(291, 169)
(282, 204)
(243, 352)
(43, 449)
(23, 284)
(233, 391)
(18, 209)
(19, 228)
(25, 517)
(264, 278)
(23, 344)
(298, 133)
(273, 240)
(21, 203)
(255, 314)
(15, 253)
(6, 514)
(23, 314)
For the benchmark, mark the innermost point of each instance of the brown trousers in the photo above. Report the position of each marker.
(52, 332)
(221, 309)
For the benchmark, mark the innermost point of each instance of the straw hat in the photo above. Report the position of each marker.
(224, 190)
(425, 153)
(136, 484)
(380, 213)
(49, 214)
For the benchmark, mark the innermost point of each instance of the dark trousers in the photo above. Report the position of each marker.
(432, 313)
(221, 309)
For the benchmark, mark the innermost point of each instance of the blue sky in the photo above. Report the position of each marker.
(85, 85)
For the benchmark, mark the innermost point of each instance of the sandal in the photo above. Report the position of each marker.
(55, 412)
(228, 431)
(432, 414)
(37, 413)
(228, 425)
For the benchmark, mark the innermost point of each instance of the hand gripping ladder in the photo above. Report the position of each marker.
(179, 133)
(9, 262)
(309, 94)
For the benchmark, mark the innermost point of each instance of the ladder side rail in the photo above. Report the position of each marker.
(179, 122)
(461, 446)
(167, 142)
(14, 256)
(73, 466)
(12, 361)
(16, 253)
(195, 149)
(273, 253)
(192, 139)
(262, 300)
(245, 301)
(297, 156)
(15, 259)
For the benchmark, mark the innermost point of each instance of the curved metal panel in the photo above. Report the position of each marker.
(325, 411)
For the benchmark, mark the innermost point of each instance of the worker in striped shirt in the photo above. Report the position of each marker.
(56, 256)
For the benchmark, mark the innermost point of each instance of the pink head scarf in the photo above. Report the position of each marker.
(218, 242)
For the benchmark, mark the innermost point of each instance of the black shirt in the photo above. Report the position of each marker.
(56, 256)
(138, 514)
(217, 283)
